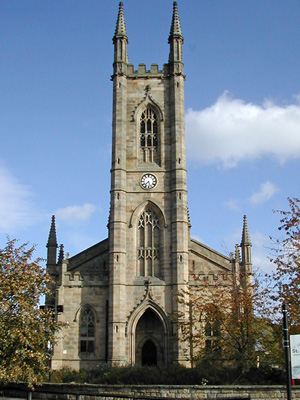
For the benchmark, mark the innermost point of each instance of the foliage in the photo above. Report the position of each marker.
(173, 375)
(223, 327)
(238, 331)
(26, 330)
(287, 261)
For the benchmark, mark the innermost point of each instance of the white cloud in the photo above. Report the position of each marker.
(260, 261)
(17, 210)
(233, 204)
(234, 238)
(77, 241)
(260, 240)
(75, 213)
(266, 192)
(231, 131)
(261, 248)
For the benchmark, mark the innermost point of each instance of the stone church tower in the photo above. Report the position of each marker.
(117, 297)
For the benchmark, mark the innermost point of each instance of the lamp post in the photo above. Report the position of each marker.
(286, 346)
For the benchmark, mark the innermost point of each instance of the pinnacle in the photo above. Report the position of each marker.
(61, 254)
(237, 253)
(120, 27)
(175, 30)
(245, 235)
(52, 242)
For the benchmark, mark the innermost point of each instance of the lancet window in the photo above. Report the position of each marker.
(148, 243)
(87, 331)
(212, 328)
(149, 135)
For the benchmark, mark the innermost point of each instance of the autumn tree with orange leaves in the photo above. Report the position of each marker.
(227, 324)
(287, 261)
(26, 331)
(221, 324)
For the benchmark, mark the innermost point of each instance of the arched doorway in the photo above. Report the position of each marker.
(149, 353)
(149, 340)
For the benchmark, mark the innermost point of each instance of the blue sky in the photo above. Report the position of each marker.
(242, 99)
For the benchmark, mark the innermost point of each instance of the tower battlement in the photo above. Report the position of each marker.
(143, 72)
(82, 277)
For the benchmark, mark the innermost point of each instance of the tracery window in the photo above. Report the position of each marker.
(148, 244)
(149, 135)
(212, 328)
(87, 331)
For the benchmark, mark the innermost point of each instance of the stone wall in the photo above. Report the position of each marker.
(138, 392)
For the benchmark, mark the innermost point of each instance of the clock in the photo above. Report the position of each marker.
(148, 181)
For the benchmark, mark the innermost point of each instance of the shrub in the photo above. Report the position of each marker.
(205, 373)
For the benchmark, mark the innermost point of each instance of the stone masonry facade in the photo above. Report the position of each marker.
(118, 295)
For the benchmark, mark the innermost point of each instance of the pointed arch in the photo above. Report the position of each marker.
(147, 204)
(82, 308)
(148, 305)
(211, 320)
(148, 117)
(148, 244)
(147, 101)
(149, 223)
(87, 328)
(149, 349)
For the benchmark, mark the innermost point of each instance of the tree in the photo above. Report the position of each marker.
(238, 325)
(287, 261)
(26, 331)
(224, 324)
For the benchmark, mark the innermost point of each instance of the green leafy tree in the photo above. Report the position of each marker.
(287, 261)
(26, 331)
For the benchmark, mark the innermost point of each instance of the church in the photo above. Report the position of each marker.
(117, 297)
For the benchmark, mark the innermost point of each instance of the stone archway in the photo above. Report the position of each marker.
(149, 353)
(149, 340)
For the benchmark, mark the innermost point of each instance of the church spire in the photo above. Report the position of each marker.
(121, 27)
(245, 235)
(175, 31)
(176, 42)
(246, 252)
(52, 242)
(120, 41)
(51, 248)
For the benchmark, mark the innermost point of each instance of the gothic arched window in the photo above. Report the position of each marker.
(87, 331)
(212, 327)
(149, 135)
(148, 243)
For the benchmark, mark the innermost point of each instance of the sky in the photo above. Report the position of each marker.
(242, 105)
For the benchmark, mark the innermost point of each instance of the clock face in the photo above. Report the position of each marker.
(148, 181)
